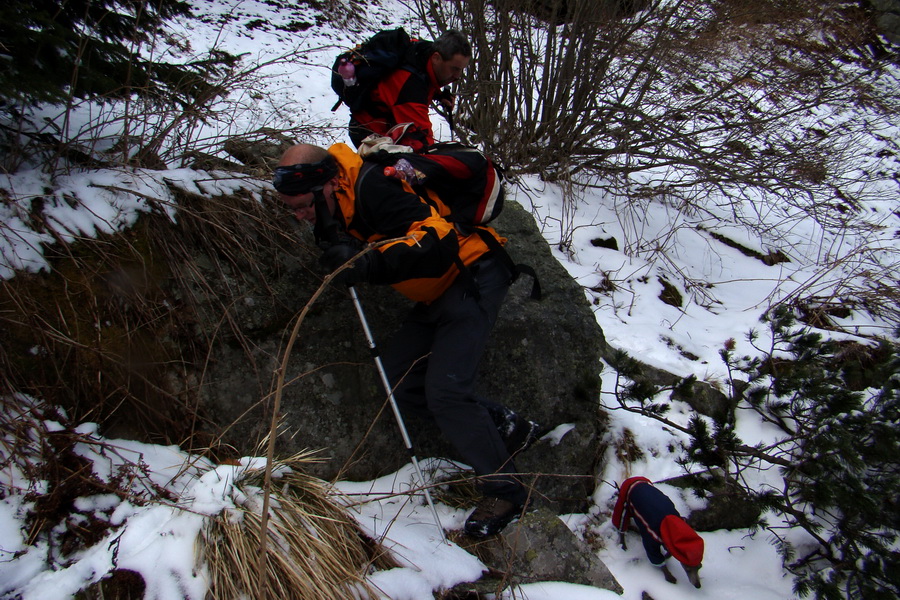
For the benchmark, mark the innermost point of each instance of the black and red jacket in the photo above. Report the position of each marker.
(404, 96)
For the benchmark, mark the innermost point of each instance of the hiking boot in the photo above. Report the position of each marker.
(491, 516)
(525, 437)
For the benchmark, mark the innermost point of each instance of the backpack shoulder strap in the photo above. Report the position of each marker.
(516, 269)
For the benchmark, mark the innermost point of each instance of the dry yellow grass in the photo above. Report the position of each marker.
(314, 549)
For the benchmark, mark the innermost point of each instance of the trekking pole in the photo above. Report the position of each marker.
(447, 112)
(395, 408)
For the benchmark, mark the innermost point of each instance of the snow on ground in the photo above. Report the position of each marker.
(157, 539)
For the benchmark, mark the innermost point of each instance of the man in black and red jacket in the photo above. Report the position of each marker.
(405, 95)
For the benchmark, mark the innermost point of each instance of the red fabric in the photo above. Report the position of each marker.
(489, 199)
(621, 517)
(453, 166)
(402, 98)
(682, 541)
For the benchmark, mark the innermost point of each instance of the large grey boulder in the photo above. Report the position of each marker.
(539, 547)
(543, 361)
(887, 18)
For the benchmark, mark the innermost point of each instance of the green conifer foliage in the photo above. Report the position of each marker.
(833, 409)
(839, 458)
(51, 51)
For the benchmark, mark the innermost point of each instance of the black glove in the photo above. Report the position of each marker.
(446, 99)
(335, 256)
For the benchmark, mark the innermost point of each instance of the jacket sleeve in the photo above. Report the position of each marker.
(417, 114)
(386, 209)
(408, 96)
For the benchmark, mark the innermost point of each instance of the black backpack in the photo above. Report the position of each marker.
(469, 183)
(374, 59)
(463, 178)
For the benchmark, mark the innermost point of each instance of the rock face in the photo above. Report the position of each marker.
(728, 506)
(887, 18)
(542, 361)
(539, 547)
(198, 316)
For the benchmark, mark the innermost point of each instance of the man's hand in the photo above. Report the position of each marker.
(446, 99)
(337, 255)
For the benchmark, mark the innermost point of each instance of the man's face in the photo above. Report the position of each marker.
(304, 205)
(448, 71)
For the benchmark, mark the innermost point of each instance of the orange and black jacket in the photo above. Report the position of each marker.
(422, 261)
(404, 97)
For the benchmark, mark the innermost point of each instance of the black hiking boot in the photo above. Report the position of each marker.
(491, 516)
(524, 437)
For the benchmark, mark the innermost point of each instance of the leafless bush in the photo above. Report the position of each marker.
(611, 98)
(159, 128)
(723, 111)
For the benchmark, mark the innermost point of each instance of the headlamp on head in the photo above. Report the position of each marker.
(296, 180)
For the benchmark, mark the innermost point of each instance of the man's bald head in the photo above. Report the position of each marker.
(301, 173)
(303, 154)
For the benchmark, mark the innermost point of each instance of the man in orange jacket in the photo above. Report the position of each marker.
(433, 358)
(405, 95)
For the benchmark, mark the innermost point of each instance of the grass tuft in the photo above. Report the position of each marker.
(314, 549)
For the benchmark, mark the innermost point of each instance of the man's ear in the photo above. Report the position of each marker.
(335, 183)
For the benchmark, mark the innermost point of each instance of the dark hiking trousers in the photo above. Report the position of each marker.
(432, 361)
